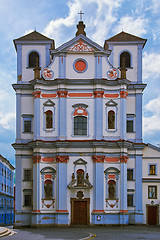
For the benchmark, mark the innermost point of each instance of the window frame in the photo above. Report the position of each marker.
(80, 110)
(131, 58)
(130, 195)
(130, 117)
(149, 166)
(129, 169)
(28, 54)
(152, 186)
(24, 175)
(83, 123)
(27, 192)
(27, 117)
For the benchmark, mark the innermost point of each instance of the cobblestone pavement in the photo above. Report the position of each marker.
(98, 233)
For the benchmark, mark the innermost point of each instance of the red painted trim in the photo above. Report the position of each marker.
(98, 94)
(98, 211)
(62, 94)
(98, 159)
(36, 211)
(114, 159)
(123, 211)
(37, 94)
(36, 159)
(49, 95)
(111, 176)
(123, 94)
(111, 95)
(48, 159)
(49, 176)
(123, 159)
(62, 211)
(80, 94)
(62, 159)
(83, 113)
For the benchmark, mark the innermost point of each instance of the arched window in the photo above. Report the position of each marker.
(80, 177)
(111, 189)
(111, 119)
(48, 189)
(49, 119)
(80, 125)
(33, 59)
(125, 59)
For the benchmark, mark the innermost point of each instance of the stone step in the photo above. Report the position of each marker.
(6, 232)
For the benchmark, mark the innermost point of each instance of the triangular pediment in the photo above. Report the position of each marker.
(49, 103)
(80, 161)
(111, 103)
(80, 44)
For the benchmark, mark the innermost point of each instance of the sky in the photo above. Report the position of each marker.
(57, 19)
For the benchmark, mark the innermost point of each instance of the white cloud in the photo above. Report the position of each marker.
(151, 123)
(6, 120)
(155, 6)
(102, 18)
(151, 63)
(136, 26)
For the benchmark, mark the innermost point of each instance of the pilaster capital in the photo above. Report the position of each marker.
(98, 159)
(36, 159)
(98, 94)
(123, 159)
(36, 94)
(62, 94)
(62, 159)
(123, 94)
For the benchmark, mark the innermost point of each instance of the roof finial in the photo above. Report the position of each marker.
(80, 13)
(80, 26)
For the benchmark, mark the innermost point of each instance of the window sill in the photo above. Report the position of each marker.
(28, 132)
(49, 129)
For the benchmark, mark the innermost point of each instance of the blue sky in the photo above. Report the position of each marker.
(57, 19)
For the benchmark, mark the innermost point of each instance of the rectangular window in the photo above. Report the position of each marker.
(27, 174)
(129, 126)
(80, 125)
(27, 126)
(152, 169)
(27, 123)
(27, 200)
(130, 200)
(152, 192)
(129, 174)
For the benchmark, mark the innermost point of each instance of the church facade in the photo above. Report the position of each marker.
(79, 139)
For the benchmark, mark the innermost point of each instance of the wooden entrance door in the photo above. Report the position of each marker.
(80, 212)
(152, 215)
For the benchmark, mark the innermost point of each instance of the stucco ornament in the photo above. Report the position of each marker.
(47, 73)
(112, 74)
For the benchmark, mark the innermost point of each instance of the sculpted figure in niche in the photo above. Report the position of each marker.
(111, 189)
(49, 119)
(80, 177)
(111, 120)
(48, 189)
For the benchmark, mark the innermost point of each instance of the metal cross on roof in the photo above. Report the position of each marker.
(80, 13)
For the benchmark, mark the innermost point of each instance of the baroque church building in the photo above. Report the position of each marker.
(79, 130)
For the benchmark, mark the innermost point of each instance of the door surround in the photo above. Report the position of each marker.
(72, 208)
(155, 205)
